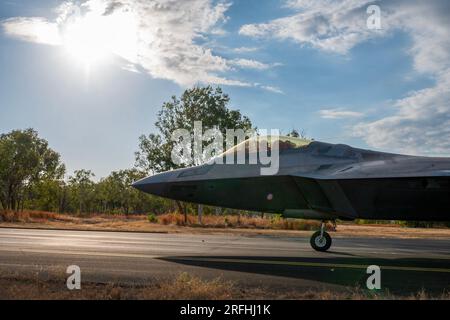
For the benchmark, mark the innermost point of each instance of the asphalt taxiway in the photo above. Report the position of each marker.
(276, 263)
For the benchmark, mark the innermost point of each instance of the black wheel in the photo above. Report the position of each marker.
(320, 243)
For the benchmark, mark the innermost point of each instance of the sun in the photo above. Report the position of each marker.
(95, 39)
(84, 41)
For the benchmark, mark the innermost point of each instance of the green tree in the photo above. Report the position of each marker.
(297, 134)
(206, 104)
(46, 195)
(117, 193)
(25, 159)
(82, 189)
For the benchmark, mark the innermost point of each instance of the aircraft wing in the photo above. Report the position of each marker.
(411, 189)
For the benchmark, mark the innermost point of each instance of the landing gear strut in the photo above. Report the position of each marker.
(321, 240)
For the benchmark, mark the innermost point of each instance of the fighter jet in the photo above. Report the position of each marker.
(318, 180)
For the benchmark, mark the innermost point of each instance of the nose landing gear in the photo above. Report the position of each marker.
(321, 240)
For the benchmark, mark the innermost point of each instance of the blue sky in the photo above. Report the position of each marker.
(310, 65)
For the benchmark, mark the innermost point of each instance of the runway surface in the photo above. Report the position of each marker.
(276, 263)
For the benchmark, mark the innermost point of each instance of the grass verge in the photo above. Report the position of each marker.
(183, 287)
(228, 224)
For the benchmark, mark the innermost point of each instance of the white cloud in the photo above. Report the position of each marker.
(339, 114)
(165, 38)
(272, 89)
(420, 125)
(420, 122)
(245, 49)
(327, 25)
(37, 30)
(130, 67)
(252, 64)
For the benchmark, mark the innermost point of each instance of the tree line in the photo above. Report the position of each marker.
(33, 176)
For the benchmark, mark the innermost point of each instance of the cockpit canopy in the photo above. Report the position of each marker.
(253, 144)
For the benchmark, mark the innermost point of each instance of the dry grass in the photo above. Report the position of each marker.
(239, 221)
(32, 216)
(360, 294)
(44, 216)
(183, 287)
(217, 224)
(393, 231)
(169, 219)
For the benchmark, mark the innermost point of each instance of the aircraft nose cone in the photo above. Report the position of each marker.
(156, 184)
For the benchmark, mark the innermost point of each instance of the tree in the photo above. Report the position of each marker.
(294, 133)
(206, 104)
(25, 160)
(297, 134)
(82, 188)
(46, 195)
(116, 192)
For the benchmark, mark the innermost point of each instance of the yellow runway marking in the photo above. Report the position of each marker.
(315, 264)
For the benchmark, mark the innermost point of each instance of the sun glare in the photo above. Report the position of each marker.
(95, 39)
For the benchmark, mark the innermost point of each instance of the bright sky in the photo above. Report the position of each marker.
(91, 75)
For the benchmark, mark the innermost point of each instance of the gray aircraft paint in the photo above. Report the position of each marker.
(319, 181)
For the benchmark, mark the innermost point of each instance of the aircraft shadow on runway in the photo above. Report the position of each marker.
(331, 270)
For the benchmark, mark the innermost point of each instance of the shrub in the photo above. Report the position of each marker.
(152, 218)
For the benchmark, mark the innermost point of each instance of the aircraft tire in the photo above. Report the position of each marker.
(320, 243)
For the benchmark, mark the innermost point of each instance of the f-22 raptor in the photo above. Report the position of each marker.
(318, 180)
